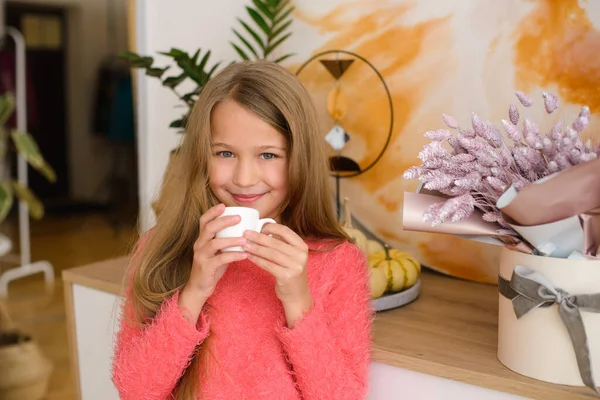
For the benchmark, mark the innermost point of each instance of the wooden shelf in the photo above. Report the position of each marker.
(450, 331)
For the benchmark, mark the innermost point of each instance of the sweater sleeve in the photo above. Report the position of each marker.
(149, 360)
(330, 348)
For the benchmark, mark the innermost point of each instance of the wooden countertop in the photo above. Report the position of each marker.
(450, 331)
(106, 275)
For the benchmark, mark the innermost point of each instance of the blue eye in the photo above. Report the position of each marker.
(268, 156)
(225, 154)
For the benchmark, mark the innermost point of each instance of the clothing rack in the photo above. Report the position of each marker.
(26, 268)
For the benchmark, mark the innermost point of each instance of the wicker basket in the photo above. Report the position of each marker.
(24, 371)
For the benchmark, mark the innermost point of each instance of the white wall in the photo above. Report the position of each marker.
(87, 46)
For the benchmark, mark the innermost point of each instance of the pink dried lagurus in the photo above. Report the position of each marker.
(550, 102)
(474, 165)
(513, 114)
(454, 209)
(438, 135)
(524, 99)
(450, 121)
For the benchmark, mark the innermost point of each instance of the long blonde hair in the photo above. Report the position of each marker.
(275, 95)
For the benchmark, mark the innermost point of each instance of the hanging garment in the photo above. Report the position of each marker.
(121, 125)
(113, 105)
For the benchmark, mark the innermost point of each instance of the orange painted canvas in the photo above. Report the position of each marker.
(444, 57)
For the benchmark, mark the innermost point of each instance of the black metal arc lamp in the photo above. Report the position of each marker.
(340, 165)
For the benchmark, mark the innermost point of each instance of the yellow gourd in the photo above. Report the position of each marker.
(401, 268)
(357, 236)
(379, 281)
(373, 246)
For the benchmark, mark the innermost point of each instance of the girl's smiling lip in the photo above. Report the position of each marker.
(246, 198)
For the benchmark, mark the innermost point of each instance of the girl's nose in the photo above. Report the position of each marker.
(246, 174)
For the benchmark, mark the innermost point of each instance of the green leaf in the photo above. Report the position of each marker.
(204, 60)
(264, 8)
(195, 72)
(253, 33)
(280, 18)
(179, 123)
(259, 20)
(248, 45)
(175, 54)
(189, 98)
(212, 70)
(26, 145)
(174, 81)
(194, 58)
(280, 30)
(191, 70)
(6, 199)
(36, 208)
(7, 106)
(277, 43)
(240, 51)
(144, 62)
(156, 72)
(137, 61)
(280, 59)
(281, 6)
(129, 55)
(48, 172)
(273, 3)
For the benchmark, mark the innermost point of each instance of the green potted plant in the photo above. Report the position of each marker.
(24, 371)
(26, 145)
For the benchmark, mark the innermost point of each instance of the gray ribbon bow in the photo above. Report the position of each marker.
(528, 289)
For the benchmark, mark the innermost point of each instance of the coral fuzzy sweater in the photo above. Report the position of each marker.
(256, 356)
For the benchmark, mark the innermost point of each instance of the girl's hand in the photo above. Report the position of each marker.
(209, 264)
(285, 258)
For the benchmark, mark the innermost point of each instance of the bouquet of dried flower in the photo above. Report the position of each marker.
(474, 172)
(537, 193)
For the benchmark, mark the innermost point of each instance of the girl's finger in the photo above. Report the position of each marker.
(276, 270)
(288, 235)
(226, 258)
(205, 218)
(211, 214)
(212, 227)
(218, 244)
(268, 253)
(271, 242)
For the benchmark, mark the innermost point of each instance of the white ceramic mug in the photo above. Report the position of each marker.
(250, 222)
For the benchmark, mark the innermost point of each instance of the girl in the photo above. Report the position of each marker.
(287, 318)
